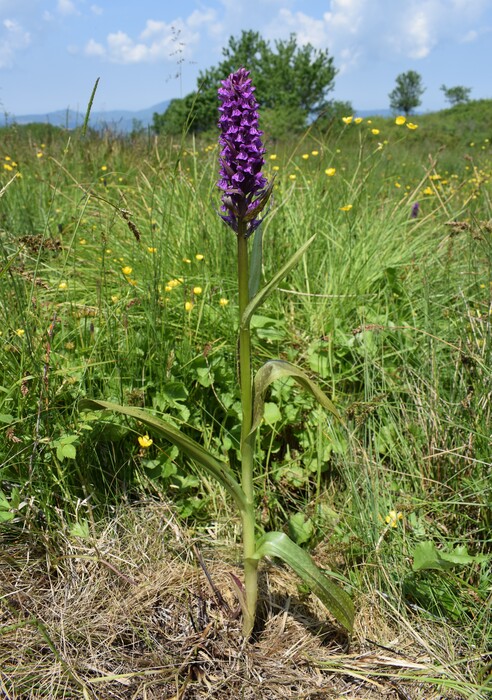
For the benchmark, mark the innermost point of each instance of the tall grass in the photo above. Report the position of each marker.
(392, 313)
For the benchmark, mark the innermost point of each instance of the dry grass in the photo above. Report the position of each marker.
(130, 613)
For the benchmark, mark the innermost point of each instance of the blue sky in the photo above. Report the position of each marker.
(147, 51)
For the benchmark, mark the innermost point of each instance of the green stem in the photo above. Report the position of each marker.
(247, 440)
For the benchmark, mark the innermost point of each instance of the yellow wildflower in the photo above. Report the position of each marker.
(347, 207)
(375, 132)
(223, 302)
(199, 256)
(315, 153)
(20, 332)
(63, 285)
(145, 441)
(393, 517)
(127, 270)
(151, 250)
(188, 306)
(197, 290)
(305, 156)
(357, 120)
(347, 120)
(330, 171)
(412, 126)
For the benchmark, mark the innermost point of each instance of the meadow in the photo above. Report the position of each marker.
(119, 562)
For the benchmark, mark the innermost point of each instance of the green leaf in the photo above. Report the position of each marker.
(278, 369)
(187, 445)
(69, 451)
(334, 598)
(255, 264)
(300, 528)
(260, 297)
(427, 556)
(271, 413)
(80, 529)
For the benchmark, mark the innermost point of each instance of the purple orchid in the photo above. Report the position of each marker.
(245, 190)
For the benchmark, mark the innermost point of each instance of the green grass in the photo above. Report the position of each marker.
(391, 313)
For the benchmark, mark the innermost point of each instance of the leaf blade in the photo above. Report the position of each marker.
(219, 470)
(277, 369)
(334, 598)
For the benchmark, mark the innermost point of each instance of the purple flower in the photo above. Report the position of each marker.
(245, 190)
(415, 210)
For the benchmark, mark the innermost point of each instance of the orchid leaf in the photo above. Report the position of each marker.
(260, 297)
(278, 369)
(334, 598)
(215, 467)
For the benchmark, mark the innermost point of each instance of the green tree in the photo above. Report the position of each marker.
(292, 81)
(456, 95)
(406, 95)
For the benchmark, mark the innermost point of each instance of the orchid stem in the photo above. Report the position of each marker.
(247, 439)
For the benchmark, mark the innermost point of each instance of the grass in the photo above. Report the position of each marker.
(393, 316)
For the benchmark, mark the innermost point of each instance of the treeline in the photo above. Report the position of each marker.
(293, 84)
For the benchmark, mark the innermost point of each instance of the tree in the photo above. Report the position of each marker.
(407, 93)
(456, 95)
(291, 79)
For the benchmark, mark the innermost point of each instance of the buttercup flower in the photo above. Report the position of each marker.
(393, 517)
(400, 120)
(144, 441)
(245, 190)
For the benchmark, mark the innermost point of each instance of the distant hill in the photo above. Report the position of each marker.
(118, 120)
(373, 113)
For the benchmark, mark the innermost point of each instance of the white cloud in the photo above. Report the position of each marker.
(307, 29)
(92, 48)
(158, 41)
(96, 10)
(67, 7)
(353, 30)
(13, 38)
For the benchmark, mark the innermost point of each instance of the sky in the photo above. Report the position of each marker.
(148, 51)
